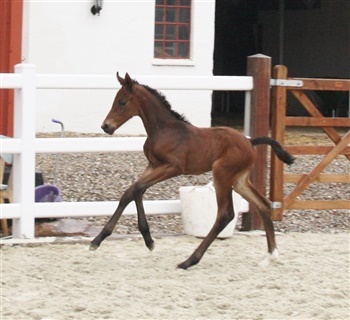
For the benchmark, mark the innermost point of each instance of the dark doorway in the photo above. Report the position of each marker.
(310, 37)
(237, 35)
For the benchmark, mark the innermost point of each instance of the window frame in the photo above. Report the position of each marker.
(177, 58)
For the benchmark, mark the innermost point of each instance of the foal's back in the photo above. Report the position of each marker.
(209, 145)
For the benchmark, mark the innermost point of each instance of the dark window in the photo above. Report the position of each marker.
(172, 29)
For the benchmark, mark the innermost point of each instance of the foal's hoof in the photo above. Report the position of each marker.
(93, 247)
(271, 257)
(151, 246)
(183, 266)
(191, 261)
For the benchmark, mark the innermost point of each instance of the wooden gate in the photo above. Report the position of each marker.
(280, 121)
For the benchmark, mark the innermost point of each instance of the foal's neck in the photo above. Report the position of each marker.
(154, 115)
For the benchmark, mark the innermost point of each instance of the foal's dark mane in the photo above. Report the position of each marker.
(161, 97)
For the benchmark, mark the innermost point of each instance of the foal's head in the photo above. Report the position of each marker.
(125, 106)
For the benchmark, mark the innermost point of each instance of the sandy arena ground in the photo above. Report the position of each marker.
(123, 280)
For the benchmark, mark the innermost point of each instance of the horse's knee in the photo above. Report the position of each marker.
(138, 189)
(127, 197)
(133, 192)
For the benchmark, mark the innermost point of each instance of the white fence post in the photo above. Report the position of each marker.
(24, 163)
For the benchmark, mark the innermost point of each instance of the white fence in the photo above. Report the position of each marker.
(24, 145)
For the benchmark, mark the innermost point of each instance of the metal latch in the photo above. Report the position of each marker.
(286, 83)
(276, 205)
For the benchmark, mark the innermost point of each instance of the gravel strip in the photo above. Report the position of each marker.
(105, 176)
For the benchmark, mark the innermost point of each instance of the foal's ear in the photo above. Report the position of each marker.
(128, 82)
(120, 79)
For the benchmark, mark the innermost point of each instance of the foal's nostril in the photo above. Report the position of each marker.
(104, 127)
(108, 129)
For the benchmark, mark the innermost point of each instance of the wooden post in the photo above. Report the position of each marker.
(259, 67)
(278, 125)
(10, 55)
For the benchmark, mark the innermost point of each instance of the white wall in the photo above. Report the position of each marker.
(64, 37)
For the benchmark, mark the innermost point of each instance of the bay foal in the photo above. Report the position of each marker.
(175, 147)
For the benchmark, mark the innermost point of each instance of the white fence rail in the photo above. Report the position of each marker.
(24, 145)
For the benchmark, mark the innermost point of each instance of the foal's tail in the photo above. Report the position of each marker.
(282, 154)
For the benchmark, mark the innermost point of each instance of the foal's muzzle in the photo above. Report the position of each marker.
(108, 129)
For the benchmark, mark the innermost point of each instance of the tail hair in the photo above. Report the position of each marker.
(282, 154)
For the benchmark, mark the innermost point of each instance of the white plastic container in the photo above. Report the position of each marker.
(199, 210)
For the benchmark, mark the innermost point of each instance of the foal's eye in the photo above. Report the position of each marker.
(122, 103)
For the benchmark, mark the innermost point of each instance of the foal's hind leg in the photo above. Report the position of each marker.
(263, 207)
(225, 215)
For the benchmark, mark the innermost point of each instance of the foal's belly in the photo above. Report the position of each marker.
(198, 163)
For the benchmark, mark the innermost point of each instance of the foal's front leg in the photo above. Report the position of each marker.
(133, 193)
(143, 224)
(126, 198)
(150, 177)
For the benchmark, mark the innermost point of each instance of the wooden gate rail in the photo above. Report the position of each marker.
(280, 121)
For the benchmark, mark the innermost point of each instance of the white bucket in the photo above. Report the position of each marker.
(199, 210)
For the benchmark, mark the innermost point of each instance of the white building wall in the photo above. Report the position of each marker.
(64, 37)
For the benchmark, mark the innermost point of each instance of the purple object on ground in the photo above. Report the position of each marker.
(47, 193)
